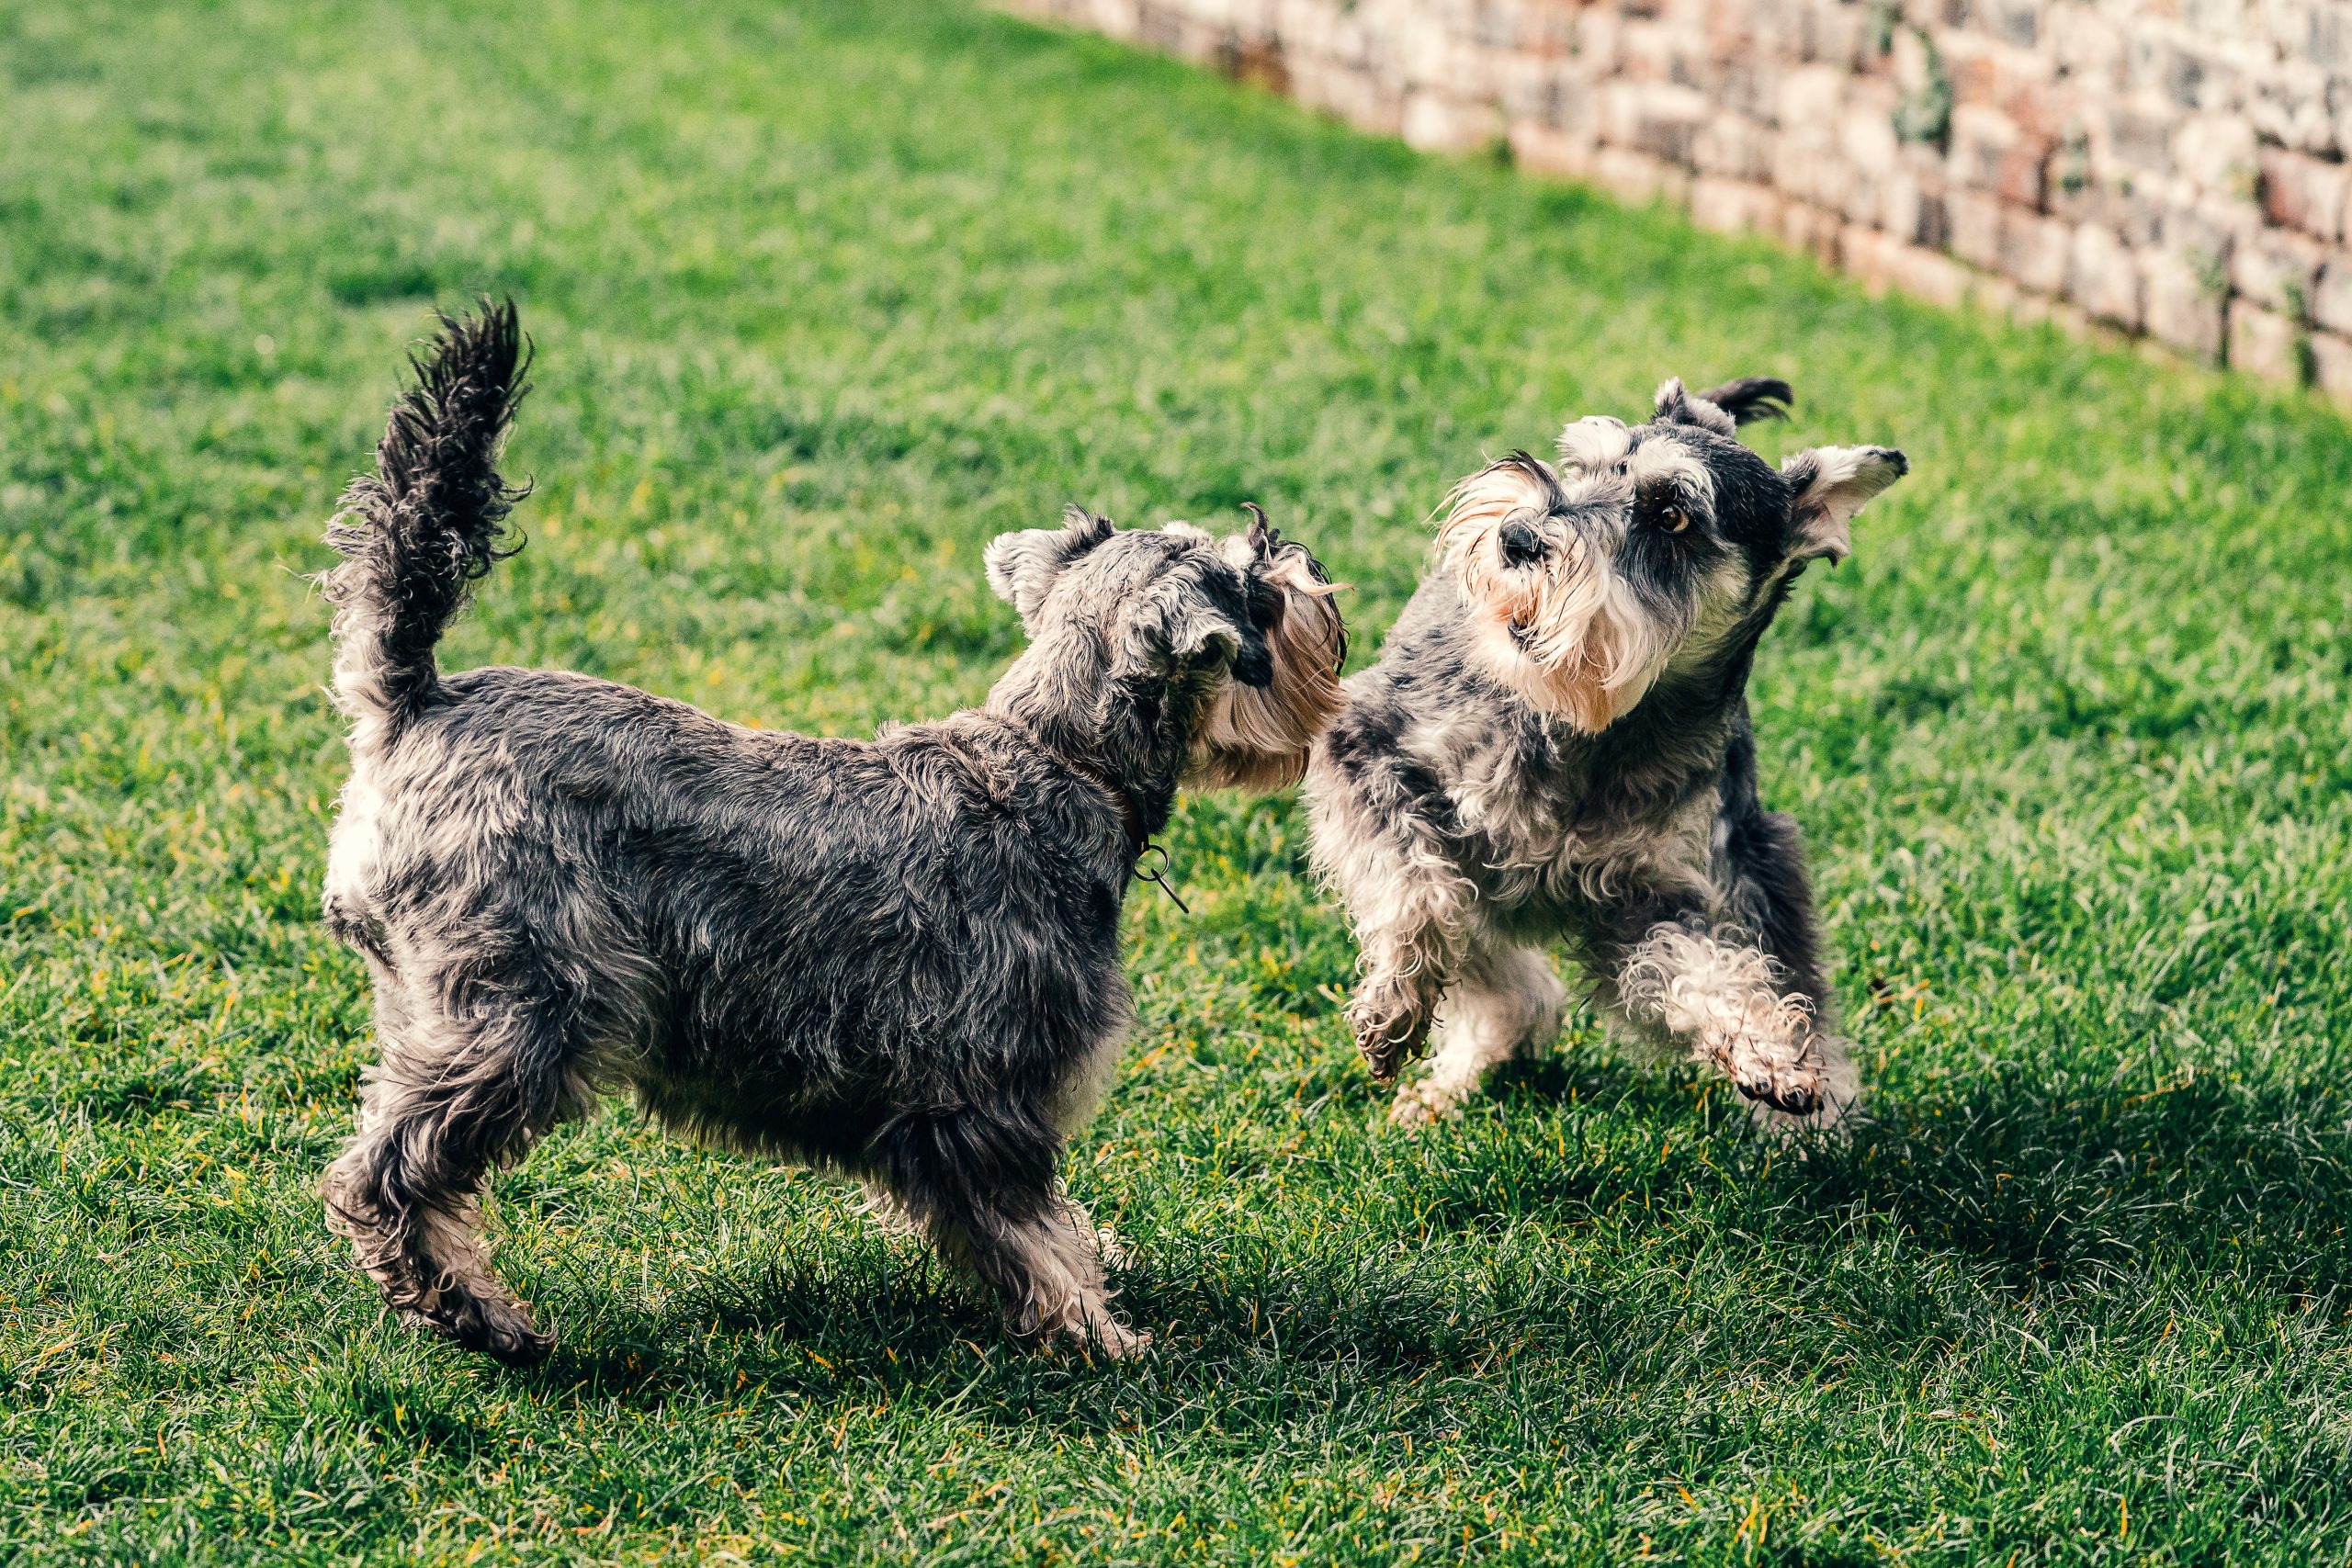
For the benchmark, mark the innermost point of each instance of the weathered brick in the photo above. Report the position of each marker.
(2316, 30)
(1600, 39)
(2085, 44)
(2331, 367)
(1866, 136)
(1638, 178)
(2103, 277)
(1808, 228)
(2332, 296)
(1646, 51)
(1548, 149)
(2144, 158)
(1653, 118)
(2265, 345)
(2169, 60)
(2301, 192)
(2291, 104)
(1807, 166)
(2036, 251)
(2217, 152)
(1925, 274)
(1746, 87)
(2183, 308)
(2016, 22)
(1809, 95)
(1974, 220)
(1733, 147)
(2132, 135)
(1863, 251)
(1833, 32)
(1990, 153)
(1437, 122)
(1729, 207)
(2278, 269)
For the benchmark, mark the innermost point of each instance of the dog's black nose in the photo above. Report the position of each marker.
(1520, 543)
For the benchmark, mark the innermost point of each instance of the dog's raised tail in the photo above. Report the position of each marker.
(416, 533)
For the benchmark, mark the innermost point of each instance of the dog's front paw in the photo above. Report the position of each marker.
(503, 1330)
(1423, 1104)
(1117, 1341)
(1835, 1090)
(1812, 1086)
(1388, 1035)
(1112, 1249)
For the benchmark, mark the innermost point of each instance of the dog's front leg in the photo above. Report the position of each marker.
(1410, 908)
(1507, 998)
(1717, 993)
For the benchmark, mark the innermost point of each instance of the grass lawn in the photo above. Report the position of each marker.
(826, 295)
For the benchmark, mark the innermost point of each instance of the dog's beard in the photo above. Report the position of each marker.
(1258, 738)
(1568, 632)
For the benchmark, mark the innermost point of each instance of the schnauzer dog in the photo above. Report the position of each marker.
(897, 959)
(1555, 748)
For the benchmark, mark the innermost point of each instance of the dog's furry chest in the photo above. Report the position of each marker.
(1555, 847)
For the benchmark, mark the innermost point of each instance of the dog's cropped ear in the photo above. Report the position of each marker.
(1675, 405)
(1827, 486)
(1177, 626)
(1751, 397)
(1021, 566)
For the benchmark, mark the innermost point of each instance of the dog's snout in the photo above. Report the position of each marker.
(1521, 544)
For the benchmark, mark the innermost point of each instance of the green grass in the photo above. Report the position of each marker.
(826, 295)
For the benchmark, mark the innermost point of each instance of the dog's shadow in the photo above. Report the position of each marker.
(2034, 1187)
(2037, 1184)
(814, 1322)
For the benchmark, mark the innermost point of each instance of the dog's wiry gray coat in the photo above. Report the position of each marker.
(895, 958)
(1555, 748)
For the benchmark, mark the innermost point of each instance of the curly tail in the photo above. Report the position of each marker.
(417, 532)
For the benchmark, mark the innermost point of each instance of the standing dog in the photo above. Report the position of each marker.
(895, 958)
(1555, 748)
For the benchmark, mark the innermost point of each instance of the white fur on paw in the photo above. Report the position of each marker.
(1421, 1104)
(1115, 1339)
(1837, 1085)
(1112, 1249)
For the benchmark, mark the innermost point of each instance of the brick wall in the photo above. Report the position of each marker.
(2171, 167)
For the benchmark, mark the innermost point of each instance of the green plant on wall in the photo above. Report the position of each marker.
(1924, 113)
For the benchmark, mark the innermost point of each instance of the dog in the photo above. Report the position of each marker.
(895, 959)
(1555, 748)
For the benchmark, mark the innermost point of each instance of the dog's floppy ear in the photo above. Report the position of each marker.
(1751, 397)
(1021, 566)
(1177, 625)
(1827, 486)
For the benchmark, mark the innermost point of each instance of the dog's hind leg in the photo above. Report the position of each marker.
(450, 1099)
(982, 1186)
(1505, 1000)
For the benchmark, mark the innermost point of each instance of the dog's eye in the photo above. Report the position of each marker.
(1674, 519)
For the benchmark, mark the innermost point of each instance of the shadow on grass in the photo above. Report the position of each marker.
(2047, 1188)
(812, 1325)
(2038, 1185)
(2058, 1186)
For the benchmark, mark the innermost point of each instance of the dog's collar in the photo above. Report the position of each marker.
(1139, 843)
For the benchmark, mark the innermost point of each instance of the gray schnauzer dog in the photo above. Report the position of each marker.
(1555, 748)
(897, 959)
